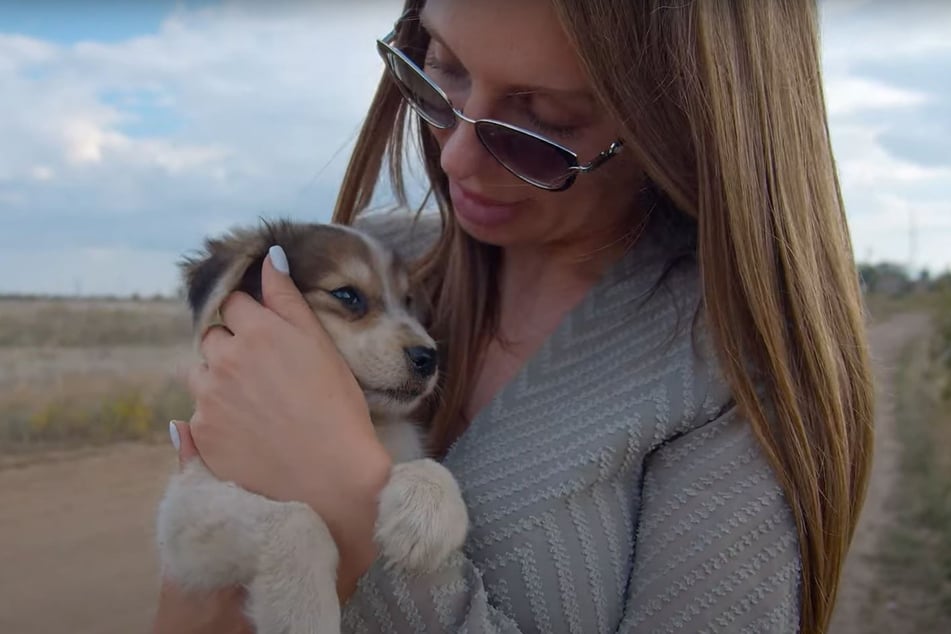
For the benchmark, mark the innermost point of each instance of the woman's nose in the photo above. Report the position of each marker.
(462, 154)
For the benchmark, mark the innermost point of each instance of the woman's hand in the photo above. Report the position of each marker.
(279, 412)
(220, 612)
(217, 613)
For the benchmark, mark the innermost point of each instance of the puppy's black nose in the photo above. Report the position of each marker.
(423, 360)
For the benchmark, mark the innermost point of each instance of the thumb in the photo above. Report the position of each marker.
(183, 442)
(280, 294)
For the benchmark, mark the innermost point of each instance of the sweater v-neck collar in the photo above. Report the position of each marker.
(605, 305)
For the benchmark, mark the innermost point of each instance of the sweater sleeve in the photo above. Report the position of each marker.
(451, 599)
(717, 547)
(716, 550)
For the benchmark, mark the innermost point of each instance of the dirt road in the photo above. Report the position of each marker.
(76, 552)
(859, 583)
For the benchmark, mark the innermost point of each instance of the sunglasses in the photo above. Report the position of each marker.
(531, 157)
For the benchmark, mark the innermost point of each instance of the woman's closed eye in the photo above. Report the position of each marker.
(447, 75)
(527, 106)
(545, 117)
(550, 128)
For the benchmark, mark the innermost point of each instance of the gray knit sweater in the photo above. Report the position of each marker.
(612, 487)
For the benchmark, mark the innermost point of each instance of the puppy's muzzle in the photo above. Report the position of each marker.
(422, 360)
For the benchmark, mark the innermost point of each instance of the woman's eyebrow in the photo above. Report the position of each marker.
(423, 22)
(581, 98)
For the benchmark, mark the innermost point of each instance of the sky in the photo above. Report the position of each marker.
(131, 130)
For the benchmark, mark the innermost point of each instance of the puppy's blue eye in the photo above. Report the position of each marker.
(351, 298)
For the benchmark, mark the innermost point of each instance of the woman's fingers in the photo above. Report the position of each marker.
(218, 612)
(181, 437)
(240, 313)
(188, 449)
(215, 343)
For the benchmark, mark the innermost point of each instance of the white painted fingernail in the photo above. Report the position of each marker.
(279, 259)
(173, 434)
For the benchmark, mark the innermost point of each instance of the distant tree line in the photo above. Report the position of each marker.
(894, 279)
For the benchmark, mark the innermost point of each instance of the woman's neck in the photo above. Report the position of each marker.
(537, 286)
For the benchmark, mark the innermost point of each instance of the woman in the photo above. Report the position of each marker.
(657, 396)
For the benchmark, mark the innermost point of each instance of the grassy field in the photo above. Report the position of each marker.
(87, 372)
(90, 373)
(916, 553)
(72, 323)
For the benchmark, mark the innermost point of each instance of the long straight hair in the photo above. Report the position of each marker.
(723, 108)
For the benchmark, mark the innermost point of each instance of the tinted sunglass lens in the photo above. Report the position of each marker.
(532, 159)
(419, 93)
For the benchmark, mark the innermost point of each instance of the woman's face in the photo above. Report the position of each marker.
(510, 60)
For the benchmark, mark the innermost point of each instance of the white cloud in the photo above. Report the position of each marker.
(863, 162)
(42, 173)
(85, 141)
(223, 115)
(126, 154)
(17, 51)
(236, 77)
(855, 30)
(847, 95)
(883, 68)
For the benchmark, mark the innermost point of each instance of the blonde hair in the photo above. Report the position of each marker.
(723, 107)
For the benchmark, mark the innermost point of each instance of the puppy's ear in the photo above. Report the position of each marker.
(227, 264)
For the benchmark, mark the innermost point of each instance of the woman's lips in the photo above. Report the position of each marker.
(478, 209)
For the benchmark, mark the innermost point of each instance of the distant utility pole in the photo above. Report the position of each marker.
(912, 244)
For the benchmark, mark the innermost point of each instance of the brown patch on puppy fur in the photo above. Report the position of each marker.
(357, 289)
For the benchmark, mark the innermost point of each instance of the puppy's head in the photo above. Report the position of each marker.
(358, 289)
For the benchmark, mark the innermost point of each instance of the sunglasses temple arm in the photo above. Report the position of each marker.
(600, 158)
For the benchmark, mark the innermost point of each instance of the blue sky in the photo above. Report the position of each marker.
(133, 129)
(69, 21)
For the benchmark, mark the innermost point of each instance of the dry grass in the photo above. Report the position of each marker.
(50, 323)
(85, 410)
(916, 557)
(89, 372)
(881, 306)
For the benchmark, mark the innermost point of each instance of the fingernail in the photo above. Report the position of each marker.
(279, 259)
(173, 433)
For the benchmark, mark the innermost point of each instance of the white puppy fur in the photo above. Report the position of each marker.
(213, 534)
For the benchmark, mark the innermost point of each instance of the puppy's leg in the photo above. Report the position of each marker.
(422, 516)
(295, 590)
(208, 531)
(213, 534)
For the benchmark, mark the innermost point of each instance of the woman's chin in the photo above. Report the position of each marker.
(495, 235)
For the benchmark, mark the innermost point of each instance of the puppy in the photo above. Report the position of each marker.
(213, 534)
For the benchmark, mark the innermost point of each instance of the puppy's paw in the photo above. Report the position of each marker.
(422, 518)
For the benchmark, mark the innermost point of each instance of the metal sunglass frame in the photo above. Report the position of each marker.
(385, 48)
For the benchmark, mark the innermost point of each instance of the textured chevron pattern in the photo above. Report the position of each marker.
(611, 487)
